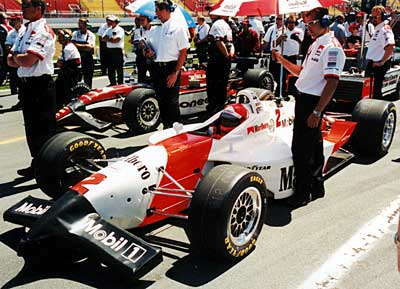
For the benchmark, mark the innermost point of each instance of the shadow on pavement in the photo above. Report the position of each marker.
(396, 160)
(12, 187)
(366, 160)
(278, 214)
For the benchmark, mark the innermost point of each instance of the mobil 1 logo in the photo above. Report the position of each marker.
(116, 240)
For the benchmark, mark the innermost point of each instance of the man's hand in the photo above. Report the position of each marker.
(276, 56)
(378, 63)
(149, 53)
(313, 121)
(171, 79)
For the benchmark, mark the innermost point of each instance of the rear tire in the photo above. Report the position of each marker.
(259, 77)
(56, 166)
(141, 111)
(376, 126)
(227, 212)
(79, 89)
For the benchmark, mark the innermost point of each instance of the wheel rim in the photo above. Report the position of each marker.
(149, 112)
(388, 130)
(245, 216)
(266, 83)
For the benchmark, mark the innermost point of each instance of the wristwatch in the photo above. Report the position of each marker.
(396, 240)
(317, 113)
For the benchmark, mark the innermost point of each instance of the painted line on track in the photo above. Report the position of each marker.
(339, 264)
(12, 140)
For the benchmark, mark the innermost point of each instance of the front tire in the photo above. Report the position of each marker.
(60, 161)
(376, 124)
(141, 111)
(227, 212)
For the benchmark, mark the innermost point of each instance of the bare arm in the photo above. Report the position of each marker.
(293, 68)
(326, 96)
(388, 54)
(10, 61)
(22, 60)
(171, 79)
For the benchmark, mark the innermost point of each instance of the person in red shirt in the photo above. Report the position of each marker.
(247, 42)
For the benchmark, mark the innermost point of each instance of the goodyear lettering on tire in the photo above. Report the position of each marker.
(236, 251)
(88, 143)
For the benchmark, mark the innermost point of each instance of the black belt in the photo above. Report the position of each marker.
(163, 64)
(35, 78)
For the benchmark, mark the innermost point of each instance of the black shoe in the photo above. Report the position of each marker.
(26, 172)
(17, 106)
(317, 195)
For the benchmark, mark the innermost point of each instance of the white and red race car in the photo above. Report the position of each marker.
(217, 175)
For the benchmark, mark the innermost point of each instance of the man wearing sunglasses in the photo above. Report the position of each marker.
(32, 53)
(380, 50)
(317, 82)
(168, 45)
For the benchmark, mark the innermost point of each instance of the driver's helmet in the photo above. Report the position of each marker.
(232, 116)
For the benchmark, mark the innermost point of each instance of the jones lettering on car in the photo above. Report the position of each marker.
(30, 209)
(287, 178)
(142, 169)
(119, 244)
(94, 179)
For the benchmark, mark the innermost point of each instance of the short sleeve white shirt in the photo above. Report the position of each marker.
(70, 52)
(102, 29)
(202, 30)
(325, 58)
(84, 38)
(369, 32)
(118, 32)
(221, 30)
(272, 34)
(257, 25)
(12, 35)
(383, 36)
(37, 39)
(168, 40)
(291, 47)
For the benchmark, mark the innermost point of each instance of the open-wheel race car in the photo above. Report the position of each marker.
(136, 104)
(216, 175)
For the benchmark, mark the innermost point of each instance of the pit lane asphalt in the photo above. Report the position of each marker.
(292, 246)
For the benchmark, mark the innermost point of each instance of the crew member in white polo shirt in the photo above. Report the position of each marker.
(169, 44)
(114, 36)
(33, 54)
(317, 82)
(104, 57)
(220, 52)
(380, 50)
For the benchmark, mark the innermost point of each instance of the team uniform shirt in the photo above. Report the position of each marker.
(221, 30)
(102, 29)
(257, 25)
(202, 30)
(141, 33)
(37, 39)
(12, 35)
(383, 36)
(84, 38)
(369, 32)
(325, 58)
(70, 52)
(272, 34)
(290, 46)
(168, 40)
(118, 32)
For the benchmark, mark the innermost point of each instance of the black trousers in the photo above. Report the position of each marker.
(307, 149)
(87, 64)
(217, 76)
(38, 97)
(378, 74)
(201, 50)
(65, 81)
(143, 66)
(15, 82)
(104, 57)
(116, 64)
(168, 97)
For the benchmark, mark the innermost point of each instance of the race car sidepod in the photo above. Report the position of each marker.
(72, 230)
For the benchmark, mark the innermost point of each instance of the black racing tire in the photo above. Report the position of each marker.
(227, 212)
(79, 89)
(141, 111)
(55, 167)
(259, 77)
(376, 124)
